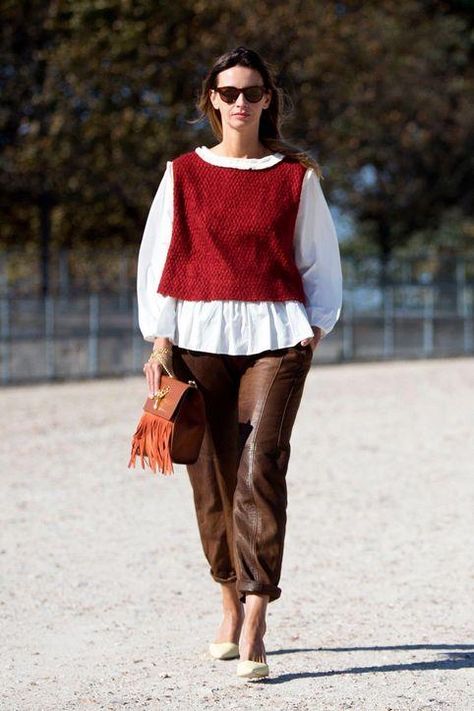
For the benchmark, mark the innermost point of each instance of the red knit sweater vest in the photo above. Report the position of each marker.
(233, 230)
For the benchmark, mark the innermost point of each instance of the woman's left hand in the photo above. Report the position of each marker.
(315, 340)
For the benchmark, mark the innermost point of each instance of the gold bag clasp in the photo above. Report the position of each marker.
(158, 397)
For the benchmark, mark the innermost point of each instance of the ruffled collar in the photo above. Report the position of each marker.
(244, 163)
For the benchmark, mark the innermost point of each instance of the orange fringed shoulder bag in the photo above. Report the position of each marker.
(171, 428)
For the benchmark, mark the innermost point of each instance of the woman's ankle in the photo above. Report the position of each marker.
(256, 607)
(233, 615)
(231, 605)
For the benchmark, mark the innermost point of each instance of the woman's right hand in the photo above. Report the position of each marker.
(315, 340)
(153, 369)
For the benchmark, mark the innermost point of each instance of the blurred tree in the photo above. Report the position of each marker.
(392, 111)
(97, 93)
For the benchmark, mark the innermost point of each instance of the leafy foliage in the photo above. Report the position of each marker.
(98, 94)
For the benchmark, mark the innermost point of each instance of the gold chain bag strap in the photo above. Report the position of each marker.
(172, 426)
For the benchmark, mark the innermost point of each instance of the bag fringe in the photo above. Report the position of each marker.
(151, 442)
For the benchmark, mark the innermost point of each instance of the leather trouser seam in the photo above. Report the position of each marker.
(252, 458)
(293, 385)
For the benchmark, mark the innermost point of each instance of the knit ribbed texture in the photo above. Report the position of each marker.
(233, 232)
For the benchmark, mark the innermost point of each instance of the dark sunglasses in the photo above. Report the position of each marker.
(230, 94)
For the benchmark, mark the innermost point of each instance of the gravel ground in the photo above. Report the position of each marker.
(106, 601)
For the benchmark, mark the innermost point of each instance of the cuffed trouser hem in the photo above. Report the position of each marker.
(244, 587)
(231, 578)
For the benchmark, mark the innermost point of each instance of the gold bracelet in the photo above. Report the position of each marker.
(156, 355)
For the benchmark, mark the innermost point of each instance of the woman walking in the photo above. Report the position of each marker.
(239, 277)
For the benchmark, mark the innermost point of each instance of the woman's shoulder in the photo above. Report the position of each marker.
(183, 158)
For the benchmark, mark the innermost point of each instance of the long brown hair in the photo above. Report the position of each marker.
(271, 119)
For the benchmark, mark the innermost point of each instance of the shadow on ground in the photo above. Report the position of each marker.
(456, 656)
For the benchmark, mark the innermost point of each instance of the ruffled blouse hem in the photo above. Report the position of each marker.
(233, 327)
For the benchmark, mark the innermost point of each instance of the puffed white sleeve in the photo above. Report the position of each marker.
(156, 312)
(317, 256)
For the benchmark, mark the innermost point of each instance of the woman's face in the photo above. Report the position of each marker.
(241, 115)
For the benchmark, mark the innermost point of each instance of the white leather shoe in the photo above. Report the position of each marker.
(252, 670)
(224, 650)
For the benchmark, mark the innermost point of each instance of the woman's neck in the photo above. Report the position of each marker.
(238, 148)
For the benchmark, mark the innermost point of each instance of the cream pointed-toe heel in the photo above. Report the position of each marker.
(224, 650)
(252, 670)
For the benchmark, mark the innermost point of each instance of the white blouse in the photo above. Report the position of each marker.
(242, 327)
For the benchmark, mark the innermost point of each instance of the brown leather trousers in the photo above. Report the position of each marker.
(239, 479)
